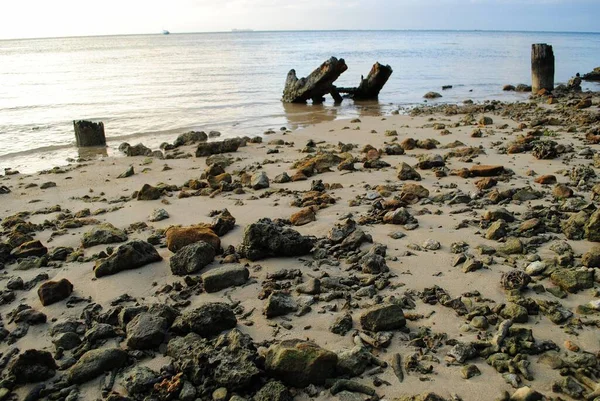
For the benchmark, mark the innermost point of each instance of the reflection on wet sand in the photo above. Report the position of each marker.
(369, 108)
(299, 115)
(92, 152)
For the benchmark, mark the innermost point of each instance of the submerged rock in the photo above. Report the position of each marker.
(129, 256)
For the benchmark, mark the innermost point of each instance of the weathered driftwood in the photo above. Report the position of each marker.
(316, 85)
(88, 133)
(542, 67)
(370, 87)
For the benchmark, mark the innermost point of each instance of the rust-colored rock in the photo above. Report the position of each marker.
(178, 237)
(547, 179)
(303, 217)
(486, 183)
(486, 171)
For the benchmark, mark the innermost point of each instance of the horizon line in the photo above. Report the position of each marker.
(252, 31)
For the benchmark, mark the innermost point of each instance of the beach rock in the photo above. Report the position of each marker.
(228, 361)
(383, 318)
(515, 280)
(573, 280)
(179, 237)
(429, 161)
(32, 366)
(94, 363)
(399, 216)
(562, 191)
(27, 249)
(146, 331)
(592, 257)
(548, 179)
(279, 304)
(139, 380)
(496, 230)
(462, 352)
(222, 223)
(67, 341)
(486, 171)
(544, 150)
(509, 88)
(472, 265)
(158, 215)
(406, 172)
(514, 312)
(512, 246)
(486, 183)
(218, 147)
(432, 95)
(148, 193)
(192, 258)
(469, 371)
(574, 227)
(413, 192)
(592, 228)
(31, 317)
(54, 291)
(137, 150)
(102, 235)
(259, 181)
(224, 277)
(273, 391)
(303, 216)
(128, 256)
(207, 320)
(486, 121)
(299, 363)
(342, 324)
(282, 178)
(48, 184)
(127, 173)
(190, 138)
(526, 394)
(265, 238)
(583, 104)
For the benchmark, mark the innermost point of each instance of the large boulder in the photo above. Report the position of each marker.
(208, 320)
(192, 258)
(146, 331)
(94, 363)
(383, 318)
(218, 147)
(178, 237)
(592, 228)
(223, 223)
(406, 172)
(32, 366)
(128, 256)
(224, 277)
(299, 363)
(54, 291)
(189, 138)
(103, 234)
(148, 193)
(265, 238)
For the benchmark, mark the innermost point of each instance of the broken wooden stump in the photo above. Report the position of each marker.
(89, 134)
(370, 87)
(316, 85)
(542, 67)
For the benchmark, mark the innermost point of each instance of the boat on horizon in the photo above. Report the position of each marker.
(165, 32)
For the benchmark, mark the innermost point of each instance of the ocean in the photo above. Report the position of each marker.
(149, 88)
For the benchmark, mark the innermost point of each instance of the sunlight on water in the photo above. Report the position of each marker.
(150, 88)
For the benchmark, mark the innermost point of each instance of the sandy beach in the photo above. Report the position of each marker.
(475, 246)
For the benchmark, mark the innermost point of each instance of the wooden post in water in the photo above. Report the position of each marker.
(89, 134)
(542, 67)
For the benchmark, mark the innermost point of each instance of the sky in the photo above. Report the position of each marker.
(55, 18)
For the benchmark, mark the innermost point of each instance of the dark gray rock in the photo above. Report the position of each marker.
(32, 366)
(67, 341)
(129, 256)
(139, 380)
(342, 324)
(54, 291)
(189, 138)
(224, 277)
(146, 331)
(265, 238)
(279, 304)
(207, 320)
(273, 391)
(218, 147)
(94, 363)
(383, 318)
(192, 258)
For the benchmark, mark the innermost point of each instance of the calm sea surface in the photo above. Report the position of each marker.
(150, 88)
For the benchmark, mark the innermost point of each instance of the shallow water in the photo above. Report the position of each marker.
(150, 88)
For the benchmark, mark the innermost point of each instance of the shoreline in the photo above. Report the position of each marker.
(446, 208)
